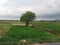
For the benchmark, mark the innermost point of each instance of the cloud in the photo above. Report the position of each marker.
(9, 17)
(1, 2)
(40, 7)
(49, 16)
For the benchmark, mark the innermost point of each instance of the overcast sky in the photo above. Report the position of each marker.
(44, 9)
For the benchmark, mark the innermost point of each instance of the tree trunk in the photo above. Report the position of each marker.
(27, 23)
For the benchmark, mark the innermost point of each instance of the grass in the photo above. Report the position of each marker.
(4, 28)
(8, 41)
(50, 25)
(53, 26)
(31, 34)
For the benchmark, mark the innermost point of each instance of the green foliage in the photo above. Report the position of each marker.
(28, 16)
(8, 41)
(16, 33)
(53, 26)
(31, 34)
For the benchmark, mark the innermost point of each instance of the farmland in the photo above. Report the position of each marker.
(41, 32)
(53, 27)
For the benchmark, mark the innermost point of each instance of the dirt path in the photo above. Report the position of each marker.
(46, 44)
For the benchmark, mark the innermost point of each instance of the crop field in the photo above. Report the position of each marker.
(41, 32)
(53, 27)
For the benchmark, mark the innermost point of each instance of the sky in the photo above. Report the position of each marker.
(44, 9)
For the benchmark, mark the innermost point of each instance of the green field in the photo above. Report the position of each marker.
(41, 32)
(53, 27)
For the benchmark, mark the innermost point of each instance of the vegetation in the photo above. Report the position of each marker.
(36, 33)
(53, 27)
(27, 17)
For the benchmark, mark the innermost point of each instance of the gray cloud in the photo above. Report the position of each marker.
(49, 16)
(42, 8)
(10, 17)
(22, 2)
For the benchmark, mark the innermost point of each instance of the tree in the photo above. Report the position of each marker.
(27, 17)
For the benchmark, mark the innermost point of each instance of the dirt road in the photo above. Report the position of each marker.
(46, 44)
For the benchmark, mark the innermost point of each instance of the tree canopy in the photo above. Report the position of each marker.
(27, 17)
